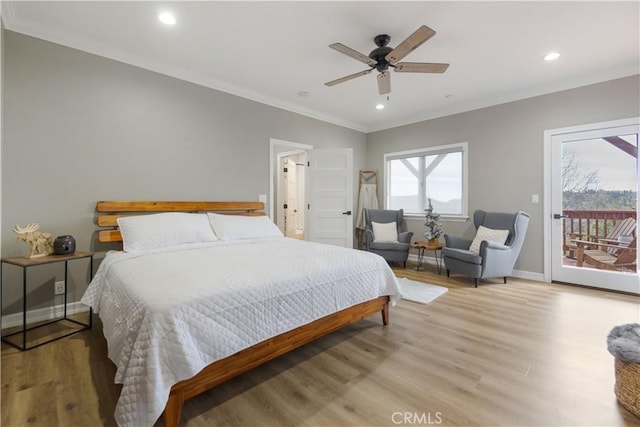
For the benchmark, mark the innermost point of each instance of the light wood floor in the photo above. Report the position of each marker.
(522, 354)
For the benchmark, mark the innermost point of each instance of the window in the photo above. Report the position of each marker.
(437, 173)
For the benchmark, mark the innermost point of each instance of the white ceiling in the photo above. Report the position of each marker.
(271, 51)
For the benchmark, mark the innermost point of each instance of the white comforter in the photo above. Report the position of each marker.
(168, 314)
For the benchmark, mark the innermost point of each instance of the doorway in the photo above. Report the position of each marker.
(328, 190)
(594, 202)
(279, 150)
(291, 193)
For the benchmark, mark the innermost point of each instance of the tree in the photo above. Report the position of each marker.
(434, 228)
(575, 178)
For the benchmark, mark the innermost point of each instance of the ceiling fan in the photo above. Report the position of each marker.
(383, 57)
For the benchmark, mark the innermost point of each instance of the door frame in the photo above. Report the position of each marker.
(547, 184)
(277, 146)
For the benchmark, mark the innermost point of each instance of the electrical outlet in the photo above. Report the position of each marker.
(58, 288)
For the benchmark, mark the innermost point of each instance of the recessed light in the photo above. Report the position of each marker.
(167, 18)
(379, 106)
(551, 56)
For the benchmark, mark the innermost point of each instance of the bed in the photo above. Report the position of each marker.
(186, 314)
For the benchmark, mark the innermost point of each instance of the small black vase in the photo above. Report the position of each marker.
(64, 245)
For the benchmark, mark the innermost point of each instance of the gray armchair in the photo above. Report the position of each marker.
(494, 259)
(391, 251)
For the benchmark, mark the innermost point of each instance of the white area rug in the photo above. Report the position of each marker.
(422, 293)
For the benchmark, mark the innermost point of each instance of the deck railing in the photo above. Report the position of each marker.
(591, 224)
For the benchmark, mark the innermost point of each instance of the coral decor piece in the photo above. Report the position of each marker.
(41, 244)
(434, 228)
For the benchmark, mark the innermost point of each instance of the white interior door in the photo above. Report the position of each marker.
(591, 167)
(331, 196)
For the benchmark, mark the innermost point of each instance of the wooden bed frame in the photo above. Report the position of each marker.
(245, 360)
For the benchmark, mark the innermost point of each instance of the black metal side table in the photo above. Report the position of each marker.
(25, 263)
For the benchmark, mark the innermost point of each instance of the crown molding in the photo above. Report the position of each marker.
(525, 93)
(13, 23)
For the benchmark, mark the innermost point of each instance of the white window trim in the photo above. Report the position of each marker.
(461, 146)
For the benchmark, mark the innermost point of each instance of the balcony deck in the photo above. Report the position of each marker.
(590, 225)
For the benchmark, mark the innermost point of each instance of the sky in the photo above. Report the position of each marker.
(617, 170)
(444, 181)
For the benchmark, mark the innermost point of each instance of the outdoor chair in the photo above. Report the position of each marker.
(622, 259)
(626, 227)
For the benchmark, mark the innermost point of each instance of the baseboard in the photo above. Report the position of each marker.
(520, 274)
(425, 259)
(429, 259)
(43, 314)
(528, 275)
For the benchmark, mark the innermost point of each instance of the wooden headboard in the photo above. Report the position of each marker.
(110, 211)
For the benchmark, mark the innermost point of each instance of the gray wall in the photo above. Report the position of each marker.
(506, 150)
(81, 128)
(78, 128)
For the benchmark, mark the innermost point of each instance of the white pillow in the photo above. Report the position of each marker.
(386, 232)
(162, 230)
(236, 227)
(489, 234)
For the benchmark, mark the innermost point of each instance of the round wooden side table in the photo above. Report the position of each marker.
(422, 246)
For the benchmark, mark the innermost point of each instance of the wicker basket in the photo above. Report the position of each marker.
(628, 385)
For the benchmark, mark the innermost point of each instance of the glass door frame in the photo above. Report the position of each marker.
(549, 223)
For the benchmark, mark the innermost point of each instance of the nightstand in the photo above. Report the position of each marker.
(25, 264)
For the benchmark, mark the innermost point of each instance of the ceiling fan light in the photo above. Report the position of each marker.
(167, 18)
(551, 56)
(384, 57)
(379, 106)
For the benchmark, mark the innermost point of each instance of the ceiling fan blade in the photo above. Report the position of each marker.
(354, 54)
(347, 78)
(421, 67)
(419, 36)
(384, 83)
